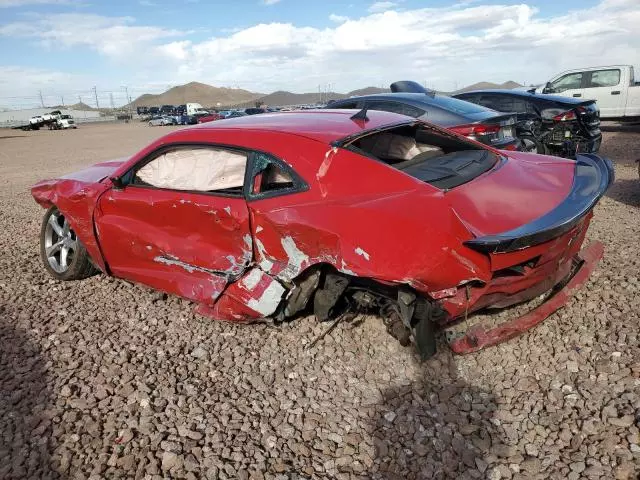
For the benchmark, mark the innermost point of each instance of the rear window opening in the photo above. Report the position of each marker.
(435, 158)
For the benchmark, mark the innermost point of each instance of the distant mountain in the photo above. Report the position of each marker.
(289, 98)
(489, 85)
(367, 91)
(79, 106)
(197, 92)
(511, 85)
(212, 97)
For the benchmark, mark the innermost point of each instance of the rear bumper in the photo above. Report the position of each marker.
(477, 337)
(593, 176)
(589, 146)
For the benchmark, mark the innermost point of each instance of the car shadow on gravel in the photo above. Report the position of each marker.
(626, 191)
(438, 427)
(25, 406)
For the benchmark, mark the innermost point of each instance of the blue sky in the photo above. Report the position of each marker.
(65, 47)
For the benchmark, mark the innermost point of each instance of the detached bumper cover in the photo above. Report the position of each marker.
(477, 338)
(593, 176)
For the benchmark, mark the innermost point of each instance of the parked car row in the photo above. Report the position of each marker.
(194, 113)
(503, 119)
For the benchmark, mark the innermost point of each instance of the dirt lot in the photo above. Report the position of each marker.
(104, 379)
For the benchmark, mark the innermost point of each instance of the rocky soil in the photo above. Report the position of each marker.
(104, 379)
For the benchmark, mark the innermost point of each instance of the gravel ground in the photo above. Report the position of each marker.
(104, 379)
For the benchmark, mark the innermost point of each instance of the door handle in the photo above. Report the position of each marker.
(577, 94)
(615, 92)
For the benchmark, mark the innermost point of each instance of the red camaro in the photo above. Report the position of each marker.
(276, 215)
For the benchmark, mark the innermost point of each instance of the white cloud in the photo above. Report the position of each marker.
(443, 46)
(338, 18)
(377, 7)
(114, 37)
(270, 2)
(21, 3)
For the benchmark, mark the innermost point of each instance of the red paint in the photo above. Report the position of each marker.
(209, 118)
(361, 216)
(477, 337)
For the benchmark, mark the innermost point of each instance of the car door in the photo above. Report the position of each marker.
(179, 221)
(604, 87)
(569, 85)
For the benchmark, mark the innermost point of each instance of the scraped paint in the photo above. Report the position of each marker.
(362, 253)
(269, 300)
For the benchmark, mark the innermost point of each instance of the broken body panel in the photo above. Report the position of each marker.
(250, 256)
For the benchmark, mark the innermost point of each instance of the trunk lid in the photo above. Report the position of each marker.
(517, 190)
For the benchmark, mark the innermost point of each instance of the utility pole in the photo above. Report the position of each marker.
(41, 100)
(95, 93)
(126, 93)
(62, 99)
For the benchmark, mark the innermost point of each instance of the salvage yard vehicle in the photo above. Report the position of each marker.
(473, 121)
(162, 120)
(208, 117)
(547, 124)
(333, 211)
(613, 87)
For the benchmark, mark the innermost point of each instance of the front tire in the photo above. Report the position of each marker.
(63, 255)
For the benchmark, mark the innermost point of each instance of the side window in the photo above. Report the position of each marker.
(567, 82)
(604, 78)
(519, 105)
(499, 103)
(395, 107)
(198, 169)
(270, 177)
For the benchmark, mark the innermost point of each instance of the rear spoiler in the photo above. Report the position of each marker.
(593, 176)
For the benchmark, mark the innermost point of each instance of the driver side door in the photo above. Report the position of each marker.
(569, 85)
(179, 222)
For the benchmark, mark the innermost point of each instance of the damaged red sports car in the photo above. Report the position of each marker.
(277, 215)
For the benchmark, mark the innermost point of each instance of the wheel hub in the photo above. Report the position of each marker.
(60, 243)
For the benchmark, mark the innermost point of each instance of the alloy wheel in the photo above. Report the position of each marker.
(60, 243)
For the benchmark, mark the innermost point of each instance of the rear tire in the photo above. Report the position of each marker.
(62, 253)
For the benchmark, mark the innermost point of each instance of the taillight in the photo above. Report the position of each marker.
(569, 114)
(475, 129)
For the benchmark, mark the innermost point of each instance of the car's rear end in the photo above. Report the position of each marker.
(523, 221)
(495, 130)
(465, 118)
(535, 246)
(574, 127)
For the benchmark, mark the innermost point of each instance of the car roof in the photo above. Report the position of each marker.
(525, 94)
(325, 126)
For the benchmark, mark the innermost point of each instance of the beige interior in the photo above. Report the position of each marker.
(200, 169)
(391, 145)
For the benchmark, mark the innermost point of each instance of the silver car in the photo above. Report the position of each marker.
(160, 121)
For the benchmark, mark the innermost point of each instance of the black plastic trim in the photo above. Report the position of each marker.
(593, 176)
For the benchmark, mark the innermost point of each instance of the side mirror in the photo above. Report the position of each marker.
(547, 88)
(117, 183)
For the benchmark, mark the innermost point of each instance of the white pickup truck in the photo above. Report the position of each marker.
(613, 87)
